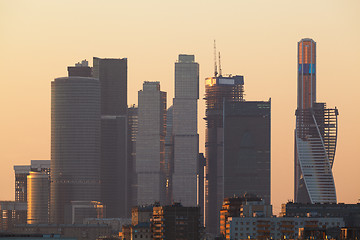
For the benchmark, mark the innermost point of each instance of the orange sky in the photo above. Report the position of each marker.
(257, 39)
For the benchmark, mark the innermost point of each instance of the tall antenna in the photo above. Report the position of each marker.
(215, 72)
(220, 70)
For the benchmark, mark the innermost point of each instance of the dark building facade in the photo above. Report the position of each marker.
(247, 149)
(131, 156)
(315, 135)
(80, 70)
(112, 74)
(176, 222)
(12, 213)
(75, 143)
(217, 90)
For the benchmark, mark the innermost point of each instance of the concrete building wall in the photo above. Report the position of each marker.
(150, 144)
(185, 136)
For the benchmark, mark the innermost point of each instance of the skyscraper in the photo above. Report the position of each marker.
(112, 74)
(315, 135)
(131, 146)
(246, 147)
(75, 143)
(217, 90)
(185, 136)
(150, 144)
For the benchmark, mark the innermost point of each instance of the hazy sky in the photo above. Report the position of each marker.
(257, 39)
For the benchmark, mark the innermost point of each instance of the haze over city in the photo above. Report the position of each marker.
(257, 39)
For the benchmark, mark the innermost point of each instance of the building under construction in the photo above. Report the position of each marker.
(218, 89)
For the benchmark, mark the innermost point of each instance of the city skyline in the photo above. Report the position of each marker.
(263, 50)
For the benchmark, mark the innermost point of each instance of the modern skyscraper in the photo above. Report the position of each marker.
(112, 74)
(315, 135)
(150, 144)
(75, 143)
(169, 155)
(246, 149)
(131, 156)
(185, 136)
(217, 90)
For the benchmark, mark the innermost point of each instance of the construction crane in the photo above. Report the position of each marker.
(215, 72)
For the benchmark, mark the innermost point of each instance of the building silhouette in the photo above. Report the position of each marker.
(81, 69)
(112, 74)
(217, 90)
(176, 222)
(75, 143)
(315, 135)
(131, 156)
(246, 148)
(150, 144)
(169, 155)
(185, 136)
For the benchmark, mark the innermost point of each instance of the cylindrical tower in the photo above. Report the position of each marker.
(75, 143)
(38, 189)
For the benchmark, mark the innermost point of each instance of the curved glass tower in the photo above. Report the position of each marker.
(315, 135)
(75, 143)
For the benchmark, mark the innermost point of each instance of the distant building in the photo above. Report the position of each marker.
(246, 148)
(217, 90)
(21, 173)
(141, 214)
(38, 199)
(246, 206)
(201, 185)
(176, 222)
(77, 211)
(315, 135)
(115, 223)
(141, 231)
(184, 131)
(349, 212)
(77, 231)
(150, 144)
(278, 227)
(81, 69)
(112, 74)
(131, 156)
(169, 155)
(75, 143)
(12, 213)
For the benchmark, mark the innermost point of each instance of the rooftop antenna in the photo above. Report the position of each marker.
(215, 72)
(220, 70)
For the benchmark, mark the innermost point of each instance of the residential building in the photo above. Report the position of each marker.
(12, 213)
(245, 206)
(176, 222)
(315, 135)
(150, 144)
(277, 227)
